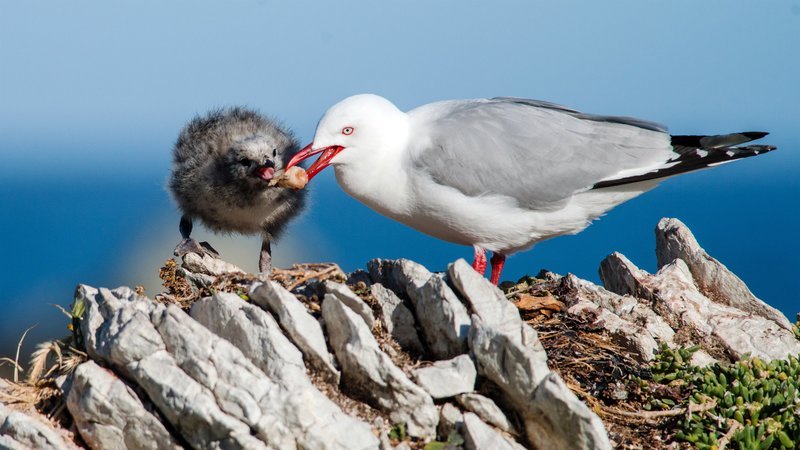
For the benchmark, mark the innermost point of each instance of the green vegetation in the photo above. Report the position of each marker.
(76, 314)
(750, 404)
(454, 441)
(398, 432)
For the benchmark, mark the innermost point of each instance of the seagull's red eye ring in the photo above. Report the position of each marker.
(347, 131)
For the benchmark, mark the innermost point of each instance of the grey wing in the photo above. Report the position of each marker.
(539, 154)
(646, 124)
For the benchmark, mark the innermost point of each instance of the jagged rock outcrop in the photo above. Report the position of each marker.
(205, 264)
(674, 241)
(509, 353)
(208, 390)
(398, 319)
(444, 379)
(696, 293)
(632, 324)
(334, 365)
(487, 410)
(301, 327)
(364, 364)
(479, 435)
(20, 431)
(109, 414)
(677, 298)
(443, 320)
(451, 420)
(351, 300)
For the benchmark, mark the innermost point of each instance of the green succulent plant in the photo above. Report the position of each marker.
(754, 403)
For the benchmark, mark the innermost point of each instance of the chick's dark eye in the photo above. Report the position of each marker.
(244, 161)
(347, 131)
(274, 152)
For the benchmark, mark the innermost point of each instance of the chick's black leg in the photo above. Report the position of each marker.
(189, 245)
(265, 259)
(185, 227)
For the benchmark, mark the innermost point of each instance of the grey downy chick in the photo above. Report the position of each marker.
(222, 166)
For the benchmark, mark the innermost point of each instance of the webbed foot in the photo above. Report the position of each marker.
(190, 245)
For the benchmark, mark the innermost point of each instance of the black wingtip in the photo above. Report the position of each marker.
(693, 160)
(715, 141)
(753, 135)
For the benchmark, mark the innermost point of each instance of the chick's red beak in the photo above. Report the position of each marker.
(322, 162)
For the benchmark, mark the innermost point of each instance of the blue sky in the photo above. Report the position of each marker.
(92, 95)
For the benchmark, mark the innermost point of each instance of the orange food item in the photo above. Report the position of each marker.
(294, 178)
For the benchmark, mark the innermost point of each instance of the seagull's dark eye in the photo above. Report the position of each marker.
(347, 131)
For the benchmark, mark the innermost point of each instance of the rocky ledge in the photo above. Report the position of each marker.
(393, 356)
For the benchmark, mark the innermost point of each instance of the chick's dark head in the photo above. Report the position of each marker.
(252, 160)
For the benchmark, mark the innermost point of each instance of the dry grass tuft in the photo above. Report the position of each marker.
(40, 391)
(598, 371)
(303, 273)
(179, 290)
(183, 293)
(59, 356)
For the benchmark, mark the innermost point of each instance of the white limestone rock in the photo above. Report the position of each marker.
(204, 386)
(398, 275)
(448, 378)
(485, 299)
(512, 363)
(398, 319)
(442, 318)
(365, 365)
(675, 241)
(627, 307)
(508, 352)
(346, 296)
(487, 410)
(636, 326)
(451, 420)
(302, 328)
(21, 431)
(632, 337)
(258, 335)
(253, 331)
(564, 422)
(678, 300)
(208, 265)
(108, 414)
(480, 436)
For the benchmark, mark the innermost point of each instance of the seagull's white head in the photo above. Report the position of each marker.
(356, 129)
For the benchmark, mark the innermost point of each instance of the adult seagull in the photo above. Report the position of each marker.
(502, 174)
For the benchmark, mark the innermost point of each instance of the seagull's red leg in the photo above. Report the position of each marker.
(498, 260)
(479, 263)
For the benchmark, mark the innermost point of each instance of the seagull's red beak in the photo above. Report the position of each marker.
(322, 162)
